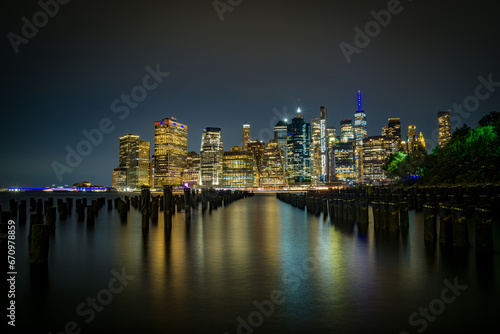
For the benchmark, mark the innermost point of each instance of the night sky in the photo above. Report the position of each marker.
(264, 56)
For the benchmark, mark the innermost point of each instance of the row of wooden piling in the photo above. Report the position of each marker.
(43, 213)
(187, 202)
(454, 206)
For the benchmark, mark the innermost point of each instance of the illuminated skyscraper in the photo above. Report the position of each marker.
(133, 171)
(191, 174)
(256, 148)
(331, 139)
(246, 136)
(376, 149)
(211, 156)
(315, 151)
(342, 156)
(360, 131)
(394, 133)
(385, 131)
(280, 134)
(421, 140)
(394, 128)
(412, 138)
(444, 127)
(170, 152)
(238, 168)
(346, 130)
(298, 156)
(272, 172)
(319, 148)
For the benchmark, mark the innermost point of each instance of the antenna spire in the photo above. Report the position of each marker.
(359, 100)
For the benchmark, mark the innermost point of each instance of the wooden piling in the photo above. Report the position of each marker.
(187, 204)
(22, 212)
(393, 216)
(404, 218)
(459, 221)
(145, 198)
(39, 252)
(430, 231)
(90, 215)
(484, 229)
(50, 218)
(167, 214)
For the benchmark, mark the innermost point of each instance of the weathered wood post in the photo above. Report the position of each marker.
(50, 218)
(445, 225)
(484, 229)
(32, 204)
(404, 218)
(393, 216)
(459, 221)
(39, 252)
(351, 211)
(363, 214)
(325, 207)
(35, 219)
(145, 195)
(110, 204)
(154, 209)
(377, 221)
(384, 214)
(69, 204)
(187, 204)
(90, 215)
(13, 207)
(168, 200)
(430, 230)
(22, 212)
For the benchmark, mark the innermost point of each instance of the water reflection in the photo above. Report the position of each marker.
(205, 275)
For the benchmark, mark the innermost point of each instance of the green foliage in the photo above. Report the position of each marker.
(471, 156)
(402, 166)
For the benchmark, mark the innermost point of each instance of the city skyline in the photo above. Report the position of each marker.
(188, 63)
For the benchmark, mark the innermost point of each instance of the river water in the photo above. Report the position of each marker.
(256, 266)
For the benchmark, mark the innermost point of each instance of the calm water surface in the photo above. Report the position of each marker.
(213, 275)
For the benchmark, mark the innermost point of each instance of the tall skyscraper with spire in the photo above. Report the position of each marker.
(246, 136)
(298, 156)
(319, 148)
(360, 131)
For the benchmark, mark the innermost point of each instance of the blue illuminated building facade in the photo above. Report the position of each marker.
(298, 151)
